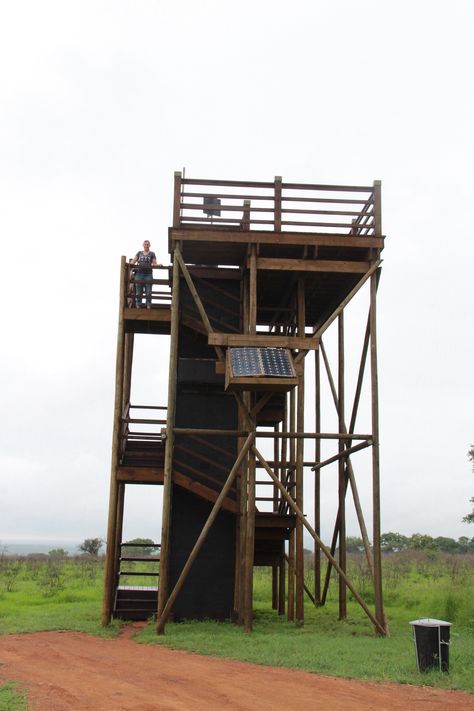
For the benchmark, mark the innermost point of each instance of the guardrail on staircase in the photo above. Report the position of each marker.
(144, 430)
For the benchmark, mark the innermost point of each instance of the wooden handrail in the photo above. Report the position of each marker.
(271, 199)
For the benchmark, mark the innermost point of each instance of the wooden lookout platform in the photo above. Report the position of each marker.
(259, 272)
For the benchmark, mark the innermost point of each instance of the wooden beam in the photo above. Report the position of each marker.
(109, 582)
(342, 479)
(138, 475)
(242, 340)
(313, 265)
(253, 290)
(377, 553)
(341, 455)
(203, 491)
(299, 559)
(317, 478)
(177, 199)
(170, 418)
(249, 545)
(239, 236)
(163, 314)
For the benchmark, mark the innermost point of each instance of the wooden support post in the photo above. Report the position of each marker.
(380, 627)
(128, 358)
(168, 463)
(246, 400)
(292, 539)
(274, 587)
(299, 560)
(275, 568)
(253, 291)
(277, 218)
(118, 530)
(177, 199)
(250, 545)
(281, 585)
(317, 478)
(342, 480)
(110, 565)
(379, 611)
(377, 208)
(161, 621)
(245, 224)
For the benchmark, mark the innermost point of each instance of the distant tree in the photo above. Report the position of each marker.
(58, 553)
(354, 544)
(421, 542)
(447, 545)
(470, 517)
(463, 544)
(393, 542)
(141, 546)
(91, 546)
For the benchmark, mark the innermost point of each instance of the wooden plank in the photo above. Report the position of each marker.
(203, 491)
(239, 236)
(313, 265)
(273, 384)
(161, 314)
(133, 475)
(242, 340)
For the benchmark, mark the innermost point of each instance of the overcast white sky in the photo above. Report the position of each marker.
(102, 101)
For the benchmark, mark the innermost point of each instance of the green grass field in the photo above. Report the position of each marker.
(69, 597)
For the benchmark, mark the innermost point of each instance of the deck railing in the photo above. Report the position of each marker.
(160, 292)
(277, 206)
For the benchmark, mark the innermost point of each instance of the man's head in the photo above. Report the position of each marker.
(146, 245)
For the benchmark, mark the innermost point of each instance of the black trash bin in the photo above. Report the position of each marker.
(431, 639)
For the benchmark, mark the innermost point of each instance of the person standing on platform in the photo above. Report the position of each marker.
(144, 259)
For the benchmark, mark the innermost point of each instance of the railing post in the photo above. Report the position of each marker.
(177, 199)
(245, 224)
(277, 207)
(377, 208)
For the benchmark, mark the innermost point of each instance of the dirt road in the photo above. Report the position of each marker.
(67, 671)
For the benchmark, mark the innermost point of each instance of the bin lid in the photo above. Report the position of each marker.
(430, 622)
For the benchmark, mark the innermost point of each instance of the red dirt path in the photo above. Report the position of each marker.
(68, 671)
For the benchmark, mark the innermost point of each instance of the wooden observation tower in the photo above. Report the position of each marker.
(260, 271)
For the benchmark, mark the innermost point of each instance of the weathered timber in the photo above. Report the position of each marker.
(170, 419)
